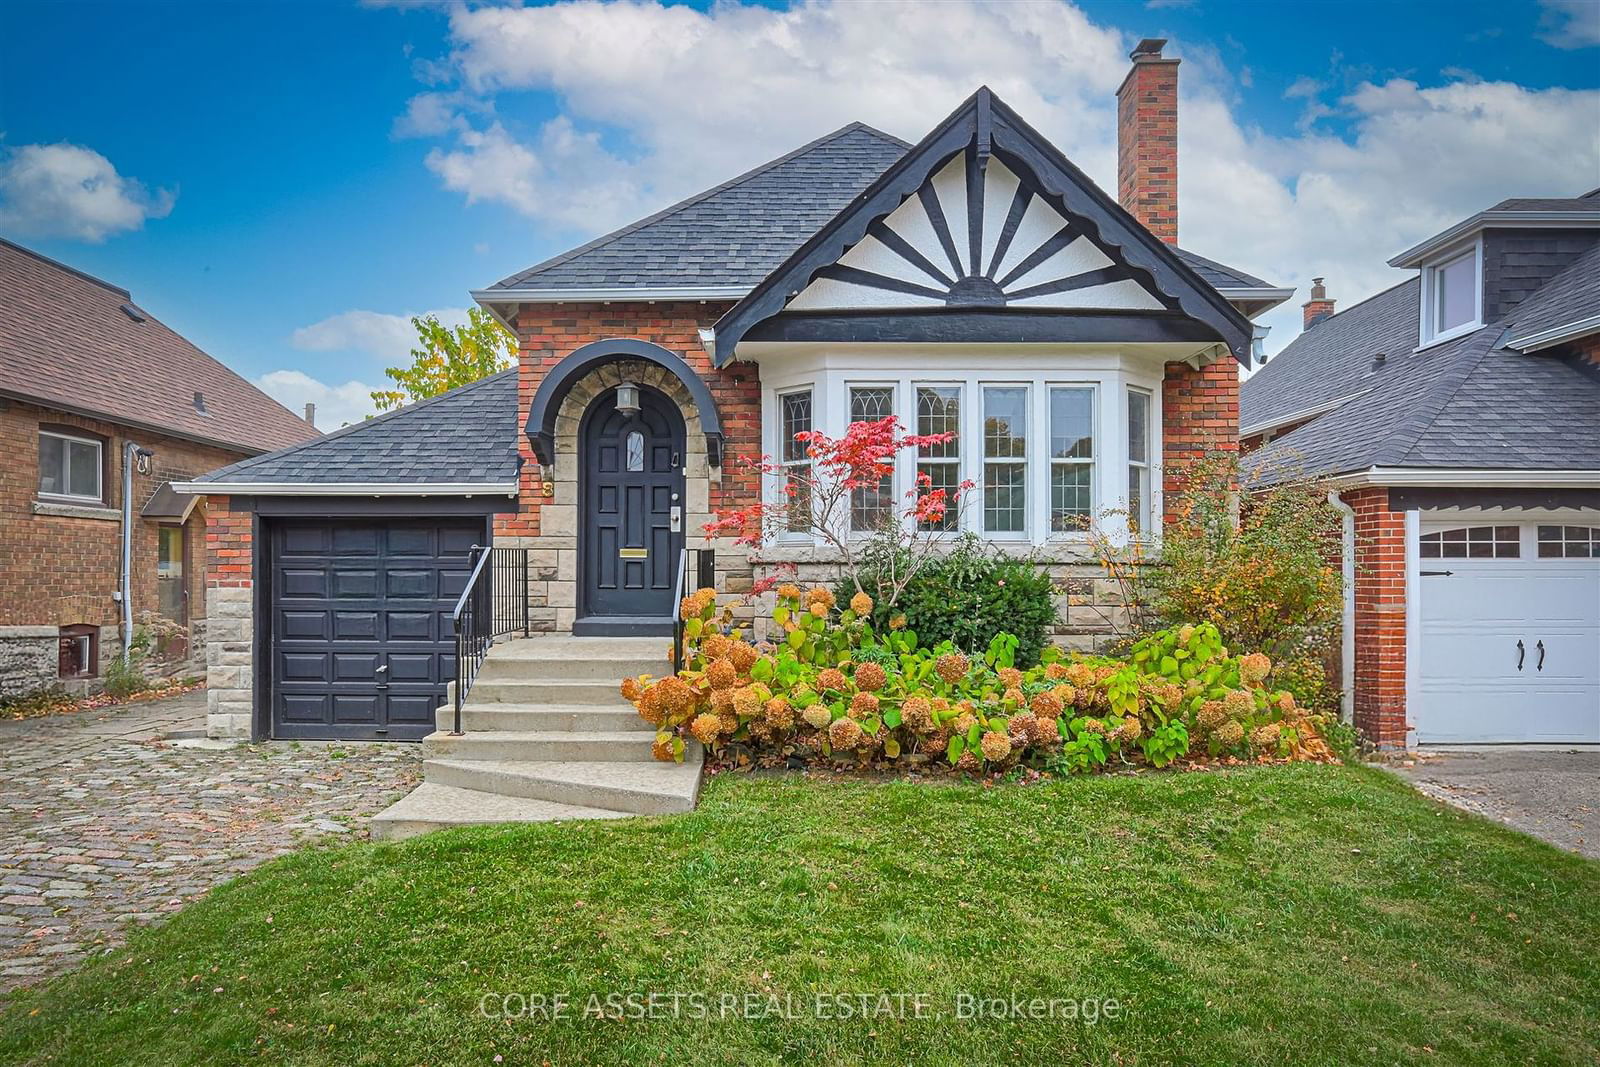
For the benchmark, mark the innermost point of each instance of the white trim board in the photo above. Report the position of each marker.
(1449, 477)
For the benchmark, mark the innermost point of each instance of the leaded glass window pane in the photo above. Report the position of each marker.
(939, 412)
(872, 506)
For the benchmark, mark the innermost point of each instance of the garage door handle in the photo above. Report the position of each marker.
(1522, 653)
(1540, 647)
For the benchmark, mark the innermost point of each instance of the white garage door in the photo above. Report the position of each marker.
(1510, 634)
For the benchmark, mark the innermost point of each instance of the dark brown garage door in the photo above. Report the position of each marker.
(361, 641)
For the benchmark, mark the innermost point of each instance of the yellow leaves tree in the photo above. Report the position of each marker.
(446, 358)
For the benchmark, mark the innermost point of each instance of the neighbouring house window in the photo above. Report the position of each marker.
(1138, 460)
(1472, 542)
(1005, 455)
(69, 466)
(939, 412)
(1071, 458)
(1450, 296)
(1569, 542)
(795, 418)
(79, 651)
(873, 505)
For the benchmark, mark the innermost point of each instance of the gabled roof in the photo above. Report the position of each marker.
(720, 243)
(466, 437)
(73, 342)
(1558, 212)
(732, 234)
(1331, 361)
(1083, 241)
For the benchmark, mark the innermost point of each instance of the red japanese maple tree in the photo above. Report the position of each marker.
(818, 497)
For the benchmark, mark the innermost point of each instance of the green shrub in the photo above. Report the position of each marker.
(125, 674)
(966, 597)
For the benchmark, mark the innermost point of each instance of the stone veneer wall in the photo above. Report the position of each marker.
(230, 622)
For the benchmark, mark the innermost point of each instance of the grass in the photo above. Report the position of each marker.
(1290, 914)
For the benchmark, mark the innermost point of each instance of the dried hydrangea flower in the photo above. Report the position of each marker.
(861, 604)
(951, 667)
(817, 716)
(845, 733)
(706, 728)
(996, 746)
(871, 677)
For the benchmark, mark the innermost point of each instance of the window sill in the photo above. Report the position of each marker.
(62, 509)
(1449, 335)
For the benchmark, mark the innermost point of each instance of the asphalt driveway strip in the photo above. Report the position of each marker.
(1551, 792)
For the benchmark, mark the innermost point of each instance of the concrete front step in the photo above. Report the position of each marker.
(653, 788)
(540, 691)
(434, 806)
(602, 659)
(617, 746)
(477, 716)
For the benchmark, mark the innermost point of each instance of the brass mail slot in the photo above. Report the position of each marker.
(633, 553)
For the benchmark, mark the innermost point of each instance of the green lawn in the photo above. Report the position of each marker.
(1296, 914)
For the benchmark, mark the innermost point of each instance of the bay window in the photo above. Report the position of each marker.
(1054, 444)
(1005, 455)
(1138, 460)
(1071, 458)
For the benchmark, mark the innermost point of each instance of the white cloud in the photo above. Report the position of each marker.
(699, 96)
(388, 337)
(1570, 23)
(67, 190)
(337, 405)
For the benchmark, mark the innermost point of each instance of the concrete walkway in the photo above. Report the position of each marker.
(1550, 792)
(103, 823)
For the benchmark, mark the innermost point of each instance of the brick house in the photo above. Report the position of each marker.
(976, 281)
(86, 375)
(1457, 416)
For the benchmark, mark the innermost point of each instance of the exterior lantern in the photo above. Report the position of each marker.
(628, 399)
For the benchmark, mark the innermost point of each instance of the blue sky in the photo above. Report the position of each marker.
(282, 182)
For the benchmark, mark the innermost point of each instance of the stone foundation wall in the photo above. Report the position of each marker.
(29, 659)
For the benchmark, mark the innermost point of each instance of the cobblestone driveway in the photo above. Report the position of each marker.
(102, 823)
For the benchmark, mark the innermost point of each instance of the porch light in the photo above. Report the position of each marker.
(628, 399)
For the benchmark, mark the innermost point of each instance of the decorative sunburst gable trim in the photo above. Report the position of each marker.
(984, 215)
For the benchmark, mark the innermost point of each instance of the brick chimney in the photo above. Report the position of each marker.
(1147, 140)
(1318, 307)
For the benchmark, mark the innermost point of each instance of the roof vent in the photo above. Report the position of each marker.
(200, 403)
(133, 313)
(1378, 360)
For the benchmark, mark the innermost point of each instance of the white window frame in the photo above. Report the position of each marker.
(1028, 462)
(1428, 332)
(98, 497)
(1145, 519)
(896, 408)
(792, 464)
(830, 370)
(959, 460)
(1052, 461)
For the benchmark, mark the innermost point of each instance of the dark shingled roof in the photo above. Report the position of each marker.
(467, 435)
(732, 234)
(71, 341)
(735, 234)
(1589, 201)
(1571, 296)
(1468, 403)
(1332, 360)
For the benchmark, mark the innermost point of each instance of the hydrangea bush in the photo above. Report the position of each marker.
(837, 687)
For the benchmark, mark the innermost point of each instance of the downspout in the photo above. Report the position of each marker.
(130, 453)
(1347, 627)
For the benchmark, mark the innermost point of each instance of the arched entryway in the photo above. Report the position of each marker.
(631, 529)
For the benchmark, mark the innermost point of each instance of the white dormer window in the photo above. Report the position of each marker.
(1452, 296)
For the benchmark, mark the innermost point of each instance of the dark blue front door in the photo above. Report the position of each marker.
(631, 528)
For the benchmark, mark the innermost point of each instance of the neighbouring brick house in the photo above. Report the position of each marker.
(84, 373)
(976, 281)
(1457, 416)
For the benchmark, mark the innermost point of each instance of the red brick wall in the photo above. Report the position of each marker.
(1588, 349)
(547, 333)
(1147, 145)
(61, 571)
(1380, 689)
(229, 546)
(1200, 410)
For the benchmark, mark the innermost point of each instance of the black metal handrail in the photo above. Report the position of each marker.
(494, 603)
(703, 564)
